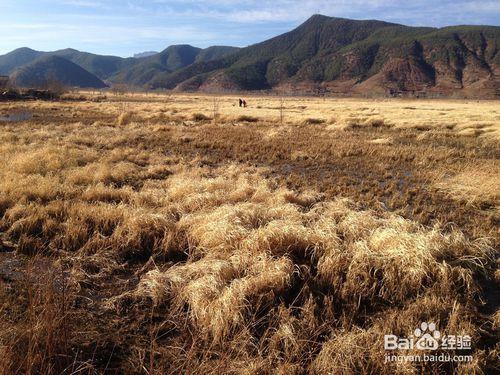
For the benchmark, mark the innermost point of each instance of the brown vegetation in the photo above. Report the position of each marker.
(152, 240)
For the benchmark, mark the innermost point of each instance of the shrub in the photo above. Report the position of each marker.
(246, 118)
(200, 117)
(313, 121)
(376, 122)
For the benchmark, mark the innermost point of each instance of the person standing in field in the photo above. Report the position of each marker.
(241, 102)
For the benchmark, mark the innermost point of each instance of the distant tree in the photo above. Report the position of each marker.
(285, 90)
(4, 82)
(120, 89)
(216, 107)
(282, 107)
(146, 88)
(55, 86)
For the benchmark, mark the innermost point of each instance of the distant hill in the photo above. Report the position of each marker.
(169, 60)
(99, 65)
(146, 69)
(54, 69)
(214, 52)
(16, 59)
(145, 54)
(132, 71)
(349, 56)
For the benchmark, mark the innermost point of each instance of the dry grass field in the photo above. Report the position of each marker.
(158, 234)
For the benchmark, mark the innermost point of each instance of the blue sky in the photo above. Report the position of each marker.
(129, 26)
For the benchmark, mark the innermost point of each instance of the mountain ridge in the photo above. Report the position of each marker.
(133, 71)
(172, 58)
(323, 54)
(50, 70)
(140, 55)
(355, 57)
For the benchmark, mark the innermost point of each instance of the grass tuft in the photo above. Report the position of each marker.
(246, 118)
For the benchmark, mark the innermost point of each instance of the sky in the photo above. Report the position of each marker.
(126, 27)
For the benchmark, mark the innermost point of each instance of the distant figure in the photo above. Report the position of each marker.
(244, 103)
(241, 102)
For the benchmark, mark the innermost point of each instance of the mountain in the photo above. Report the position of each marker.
(145, 54)
(323, 54)
(351, 56)
(132, 71)
(99, 65)
(169, 60)
(17, 58)
(214, 52)
(47, 69)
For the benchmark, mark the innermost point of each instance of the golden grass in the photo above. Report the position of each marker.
(477, 185)
(466, 118)
(167, 243)
(359, 256)
(124, 118)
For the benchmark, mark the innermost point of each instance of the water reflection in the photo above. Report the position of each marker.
(17, 116)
